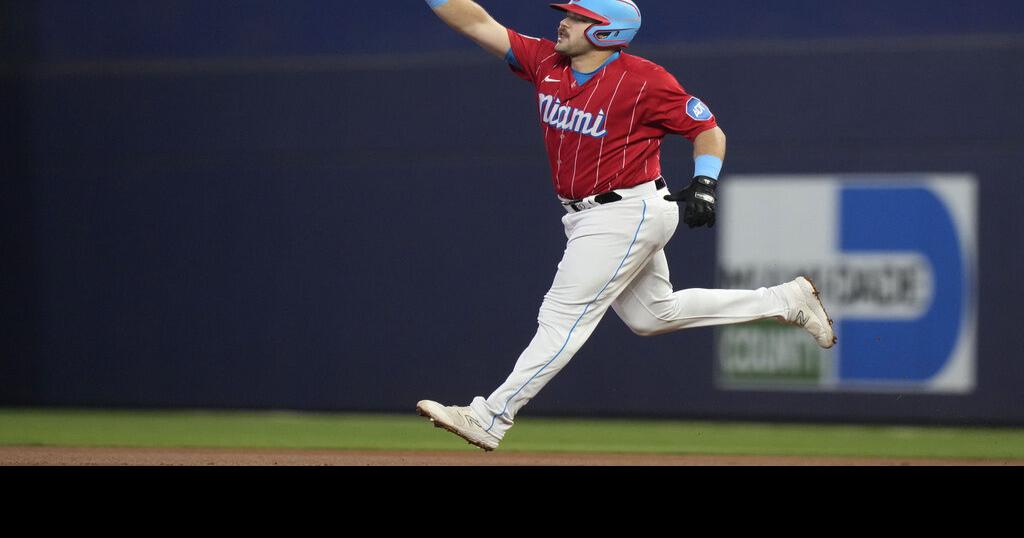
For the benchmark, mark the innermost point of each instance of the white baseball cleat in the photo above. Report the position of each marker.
(806, 310)
(459, 420)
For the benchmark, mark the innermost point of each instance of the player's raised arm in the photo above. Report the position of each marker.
(470, 20)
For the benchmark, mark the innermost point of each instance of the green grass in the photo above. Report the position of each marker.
(391, 432)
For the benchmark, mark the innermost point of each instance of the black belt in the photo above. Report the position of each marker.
(612, 196)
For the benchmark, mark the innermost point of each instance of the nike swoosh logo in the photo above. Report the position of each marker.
(549, 79)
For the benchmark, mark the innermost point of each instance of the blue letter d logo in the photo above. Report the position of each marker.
(906, 219)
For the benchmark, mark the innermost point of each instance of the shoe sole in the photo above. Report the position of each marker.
(438, 424)
(817, 295)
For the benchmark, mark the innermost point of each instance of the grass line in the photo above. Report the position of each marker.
(323, 431)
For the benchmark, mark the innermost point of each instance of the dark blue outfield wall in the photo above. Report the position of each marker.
(71, 29)
(334, 235)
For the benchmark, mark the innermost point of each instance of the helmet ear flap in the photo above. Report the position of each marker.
(592, 34)
(597, 35)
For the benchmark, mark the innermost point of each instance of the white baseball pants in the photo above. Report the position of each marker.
(614, 258)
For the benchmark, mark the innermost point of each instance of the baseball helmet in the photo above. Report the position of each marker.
(618, 20)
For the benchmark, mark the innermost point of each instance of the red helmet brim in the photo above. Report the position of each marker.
(582, 11)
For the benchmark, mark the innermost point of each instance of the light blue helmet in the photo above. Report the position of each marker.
(618, 20)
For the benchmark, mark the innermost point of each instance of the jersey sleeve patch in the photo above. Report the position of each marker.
(696, 109)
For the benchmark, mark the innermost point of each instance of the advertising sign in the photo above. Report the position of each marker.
(895, 259)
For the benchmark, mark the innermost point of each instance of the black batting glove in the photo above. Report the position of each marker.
(699, 200)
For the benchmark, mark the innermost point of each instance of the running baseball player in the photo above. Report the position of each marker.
(603, 114)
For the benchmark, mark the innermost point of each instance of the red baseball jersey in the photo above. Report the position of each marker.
(605, 134)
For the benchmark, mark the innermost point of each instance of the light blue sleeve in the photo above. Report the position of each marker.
(511, 59)
(436, 3)
(707, 165)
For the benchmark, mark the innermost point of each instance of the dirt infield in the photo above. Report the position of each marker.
(59, 456)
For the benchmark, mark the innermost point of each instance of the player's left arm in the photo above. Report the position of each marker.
(673, 110)
(710, 142)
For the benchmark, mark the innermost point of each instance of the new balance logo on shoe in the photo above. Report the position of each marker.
(801, 318)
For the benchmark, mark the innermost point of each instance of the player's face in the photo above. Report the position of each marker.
(572, 40)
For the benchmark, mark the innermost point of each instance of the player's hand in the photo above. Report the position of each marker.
(699, 200)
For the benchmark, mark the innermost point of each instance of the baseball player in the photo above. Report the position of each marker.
(603, 114)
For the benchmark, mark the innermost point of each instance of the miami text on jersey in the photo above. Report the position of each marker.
(567, 118)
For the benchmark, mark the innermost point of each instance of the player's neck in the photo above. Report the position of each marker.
(590, 60)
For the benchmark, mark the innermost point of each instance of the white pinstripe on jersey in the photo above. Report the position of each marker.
(608, 113)
(632, 124)
(645, 160)
(536, 73)
(558, 156)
